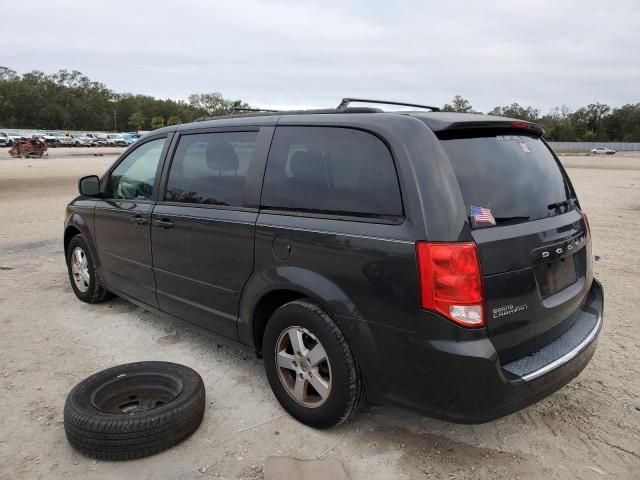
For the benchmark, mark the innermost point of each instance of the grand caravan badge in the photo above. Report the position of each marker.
(509, 310)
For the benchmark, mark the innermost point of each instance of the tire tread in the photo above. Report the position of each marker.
(356, 395)
(103, 437)
(98, 293)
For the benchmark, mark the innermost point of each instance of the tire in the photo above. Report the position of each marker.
(104, 416)
(309, 323)
(90, 289)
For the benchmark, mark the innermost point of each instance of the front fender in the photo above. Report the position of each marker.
(79, 216)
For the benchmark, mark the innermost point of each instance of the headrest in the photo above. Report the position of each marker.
(222, 156)
(308, 165)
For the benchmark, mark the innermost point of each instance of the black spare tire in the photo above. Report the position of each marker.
(134, 410)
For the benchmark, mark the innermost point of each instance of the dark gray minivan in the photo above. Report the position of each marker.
(439, 261)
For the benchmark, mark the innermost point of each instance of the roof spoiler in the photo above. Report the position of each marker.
(492, 124)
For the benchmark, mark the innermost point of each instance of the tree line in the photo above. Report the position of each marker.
(69, 100)
(597, 122)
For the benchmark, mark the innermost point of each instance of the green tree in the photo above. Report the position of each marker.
(136, 121)
(174, 120)
(515, 110)
(458, 104)
(213, 104)
(623, 124)
(557, 124)
(157, 122)
(588, 122)
(69, 100)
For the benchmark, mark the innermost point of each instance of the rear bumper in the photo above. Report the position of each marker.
(464, 382)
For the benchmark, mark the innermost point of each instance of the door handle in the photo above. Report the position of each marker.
(164, 223)
(139, 220)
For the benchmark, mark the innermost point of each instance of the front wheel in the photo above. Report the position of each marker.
(82, 272)
(310, 367)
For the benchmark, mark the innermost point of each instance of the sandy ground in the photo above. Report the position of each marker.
(49, 341)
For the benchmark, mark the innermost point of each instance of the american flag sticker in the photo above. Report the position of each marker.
(482, 215)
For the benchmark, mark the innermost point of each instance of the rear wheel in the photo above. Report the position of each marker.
(310, 367)
(82, 272)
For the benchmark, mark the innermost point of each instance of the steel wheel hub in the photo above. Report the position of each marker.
(136, 393)
(303, 367)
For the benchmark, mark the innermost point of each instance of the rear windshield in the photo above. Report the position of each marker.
(508, 179)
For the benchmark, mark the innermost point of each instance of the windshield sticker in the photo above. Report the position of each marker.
(525, 147)
(482, 215)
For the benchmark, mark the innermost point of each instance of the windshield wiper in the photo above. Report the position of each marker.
(564, 203)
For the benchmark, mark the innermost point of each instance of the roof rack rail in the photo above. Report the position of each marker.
(346, 101)
(234, 111)
(242, 109)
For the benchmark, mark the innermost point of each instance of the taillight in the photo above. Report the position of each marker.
(518, 124)
(450, 281)
(586, 221)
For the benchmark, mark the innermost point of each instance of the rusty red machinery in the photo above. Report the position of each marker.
(28, 147)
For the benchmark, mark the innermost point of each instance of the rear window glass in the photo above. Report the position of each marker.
(514, 177)
(331, 170)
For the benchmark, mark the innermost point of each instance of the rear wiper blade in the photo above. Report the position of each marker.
(564, 203)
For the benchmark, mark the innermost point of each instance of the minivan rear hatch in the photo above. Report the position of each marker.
(532, 238)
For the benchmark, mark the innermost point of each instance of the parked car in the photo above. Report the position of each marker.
(57, 139)
(80, 140)
(14, 137)
(130, 138)
(439, 261)
(5, 140)
(97, 140)
(602, 151)
(116, 140)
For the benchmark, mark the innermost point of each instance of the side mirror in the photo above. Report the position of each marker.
(89, 186)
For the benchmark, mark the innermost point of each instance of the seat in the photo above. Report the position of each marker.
(308, 180)
(227, 187)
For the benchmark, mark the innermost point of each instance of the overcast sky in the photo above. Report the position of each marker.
(300, 53)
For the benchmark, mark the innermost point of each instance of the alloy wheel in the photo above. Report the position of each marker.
(80, 269)
(303, 366)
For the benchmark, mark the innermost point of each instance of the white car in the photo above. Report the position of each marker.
(57, 139)
(14, 137)
(602, 151)
(82, 141)
(5, 140)
(116, 140)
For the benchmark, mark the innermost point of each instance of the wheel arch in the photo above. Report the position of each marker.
(77, 225)
(266, 292)
(70, 232)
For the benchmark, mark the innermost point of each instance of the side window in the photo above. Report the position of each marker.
(331, 170)
(133, 178)
(211, 168)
